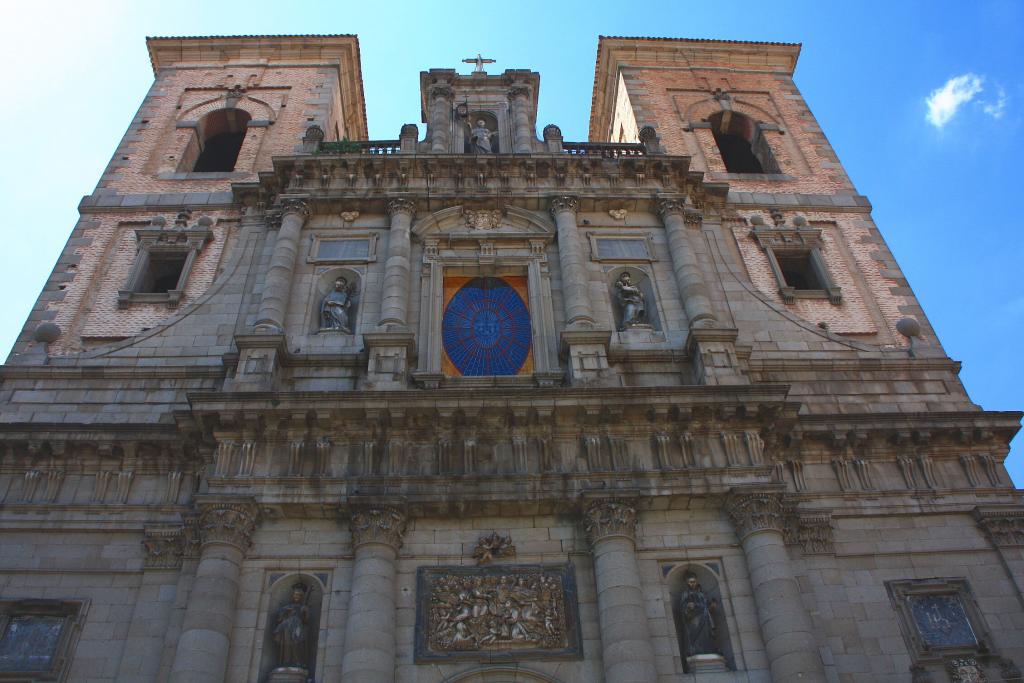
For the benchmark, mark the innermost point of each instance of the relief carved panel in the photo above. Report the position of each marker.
(498, 612)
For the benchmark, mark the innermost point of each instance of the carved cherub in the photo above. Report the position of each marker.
(492, 547)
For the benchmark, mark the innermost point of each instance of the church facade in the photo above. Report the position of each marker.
(481, 405)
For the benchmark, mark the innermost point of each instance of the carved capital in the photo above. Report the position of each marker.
(608, 518)
(165, 547)
(378, 524)
(518, 91)
(396, 206)
(299, 207)
(1005, 528)
(231, 523)
(755, 511)
(668, 207)
(564, 203)
(442, 90)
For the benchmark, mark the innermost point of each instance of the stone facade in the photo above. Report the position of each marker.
(391, 411)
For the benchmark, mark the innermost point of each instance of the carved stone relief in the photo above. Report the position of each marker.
(499, 612)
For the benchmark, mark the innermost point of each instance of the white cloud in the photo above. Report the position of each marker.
(944, 102)
(998, 108)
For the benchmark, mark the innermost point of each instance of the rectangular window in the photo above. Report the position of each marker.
(615, 248)
(163, 273)
(37, 638)
(359, 248)
(798, 271)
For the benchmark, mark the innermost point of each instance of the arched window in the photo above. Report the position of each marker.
(220, 136)
(741, 144)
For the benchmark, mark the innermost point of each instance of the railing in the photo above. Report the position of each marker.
(607, 150)
(380, 147)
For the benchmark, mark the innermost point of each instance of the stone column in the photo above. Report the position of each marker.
(278, 282)
(395, 299)
(225, 529)
(625, 634)
(519, 97)
(441, 98)
(785, 625)
(689, 278)
(575, 292)
(370, 630)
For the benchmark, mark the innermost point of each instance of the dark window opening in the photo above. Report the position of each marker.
(222, 133)
(799, 272)
(741, 144)
(163, 273)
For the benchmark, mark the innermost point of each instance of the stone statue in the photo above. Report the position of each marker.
(480, 138)
(291, 631)
(335, 308)
(698, 626)
(631, 299)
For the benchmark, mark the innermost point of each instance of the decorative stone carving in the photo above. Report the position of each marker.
(28, 491)
(686, 446)
(336, 309)
(231, 523)
(796, 467)
(863, 469)
(291, 629)
(380, 524)
(970, 465)
(165, 547)
(510, 612)
(564, 203)
(733, 445)
(811, 531)
(493, 547)
(965, 670)
(173, 489)
(844, 474)
(906, 464)
(991, 468)
(618, 214)
(401, 206)
(349, 216)
(442, 91)
(755, 511)
(1005, 528)
(482, 220)
(480, 138)
(296, 206)
(928, 470)
(608, 518)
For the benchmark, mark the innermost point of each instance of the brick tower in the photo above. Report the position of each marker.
(484, 405)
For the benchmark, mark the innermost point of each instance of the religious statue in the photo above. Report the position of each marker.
(480, 138)
(291, 632)
(631, 299)
(698, 625)
(334, 310)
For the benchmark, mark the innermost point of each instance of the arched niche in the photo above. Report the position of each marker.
(324, 284)
(490, 122)
(741, 143)
(709, 579)
(280, 595)
(642, 280)
(500, 674)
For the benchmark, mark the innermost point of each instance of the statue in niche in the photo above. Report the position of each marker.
(631, 299)
(698, 625)
(336, 307)
(291, 631)
(480, 138)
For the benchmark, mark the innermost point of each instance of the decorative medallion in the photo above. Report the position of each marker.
(486, 327)
(508, 612)
(941, 620)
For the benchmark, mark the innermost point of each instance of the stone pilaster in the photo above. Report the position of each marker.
(519, 98)
(225, 526)
(278, 281)
(377, 533)
(1004, 528)
(164, 549)
(441, 98)
(758, 516)
(689, 278)
(627, 653)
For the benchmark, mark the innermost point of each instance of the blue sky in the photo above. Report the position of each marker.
(943, 179)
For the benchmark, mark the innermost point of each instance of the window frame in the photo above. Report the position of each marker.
(73, 613)
(797, 242)
(156, 240)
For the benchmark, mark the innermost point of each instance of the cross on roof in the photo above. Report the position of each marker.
(479, 61)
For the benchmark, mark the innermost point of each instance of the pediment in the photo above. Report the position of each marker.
(485, 221)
